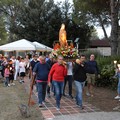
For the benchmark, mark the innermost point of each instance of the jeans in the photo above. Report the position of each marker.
(51, 88)
(79, 90)
(119, 87)
(69, 79)
(41, 86)
(6, 81)
(58, 91)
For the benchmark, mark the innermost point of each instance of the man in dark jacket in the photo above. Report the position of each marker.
(79, 75)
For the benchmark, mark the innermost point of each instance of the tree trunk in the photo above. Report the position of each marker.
(114, 30)
(119, 40)
(103, 28)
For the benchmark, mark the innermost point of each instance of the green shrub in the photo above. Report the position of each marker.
(107, 71)
(87, 53)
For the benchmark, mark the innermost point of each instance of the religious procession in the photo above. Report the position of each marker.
(59, 60)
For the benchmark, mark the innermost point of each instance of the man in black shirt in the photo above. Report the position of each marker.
(33, 63)
(79, 75)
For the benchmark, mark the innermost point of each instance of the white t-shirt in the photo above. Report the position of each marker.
(69, 68)
(22, 66)
(17, 64)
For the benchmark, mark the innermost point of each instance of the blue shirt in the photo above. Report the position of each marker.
(91, 67)
(42, 71)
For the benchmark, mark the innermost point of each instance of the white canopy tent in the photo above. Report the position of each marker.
(42, 47)
(20, 45)
(24, 45)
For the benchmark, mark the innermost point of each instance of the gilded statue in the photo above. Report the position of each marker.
(63, 36)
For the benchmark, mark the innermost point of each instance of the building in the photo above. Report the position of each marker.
(102, 46)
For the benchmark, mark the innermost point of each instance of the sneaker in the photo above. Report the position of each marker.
(57, 108)
(8, 85)
(20, 81)
(71, 96)
(13, 84)
(88, 94)
(81, 107)
(43, 102)
(48, 95)
(117, 97)
(64, 95)
(40, 105)
(23, 81)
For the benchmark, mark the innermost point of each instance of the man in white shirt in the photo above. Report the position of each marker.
(16, 67)
(22, 70)
(69, 79)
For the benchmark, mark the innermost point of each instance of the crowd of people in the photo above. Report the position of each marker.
(52, 75)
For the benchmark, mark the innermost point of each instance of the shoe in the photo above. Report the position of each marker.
(64, 94)
(119, 100)
(88, 94)
(117, 97)
(13, 84)
(40, 105)
(43, 102)
(23, 81)
(71, 96)
(20, 81)
(81, 107)
(57, 108)
(9, 85)
(48, 95)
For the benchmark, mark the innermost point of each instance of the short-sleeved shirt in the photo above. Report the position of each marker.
(42, 71)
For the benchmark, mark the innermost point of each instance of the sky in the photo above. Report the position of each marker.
(99, 29)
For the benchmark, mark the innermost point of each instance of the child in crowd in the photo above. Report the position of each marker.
(11, 76)
(6, 75)
(118, 75)
(22, 70)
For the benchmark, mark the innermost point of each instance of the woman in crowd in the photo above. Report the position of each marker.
(6, 75)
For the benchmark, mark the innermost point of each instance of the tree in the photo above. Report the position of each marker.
(93, 11)
(3, 32)
(40, 20)
(115, 7)
(10, 9)
(104, 12)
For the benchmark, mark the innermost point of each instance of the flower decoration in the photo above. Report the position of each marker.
(66, 52)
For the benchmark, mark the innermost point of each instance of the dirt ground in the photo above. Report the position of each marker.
(103, 99)
(11, 98)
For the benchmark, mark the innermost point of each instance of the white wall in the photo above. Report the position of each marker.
(105, 51)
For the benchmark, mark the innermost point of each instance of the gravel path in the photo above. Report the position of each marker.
(92, 116)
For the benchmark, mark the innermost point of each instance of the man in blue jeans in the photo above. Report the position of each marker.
(58, 73)
(79, 75)
(41, 70)
(69, 79)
